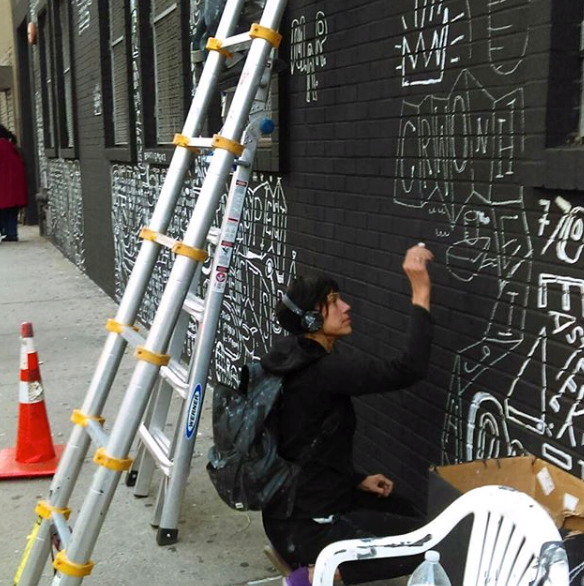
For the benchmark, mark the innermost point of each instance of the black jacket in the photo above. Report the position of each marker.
(317, 384)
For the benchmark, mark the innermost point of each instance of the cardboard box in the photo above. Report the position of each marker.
(559, 492)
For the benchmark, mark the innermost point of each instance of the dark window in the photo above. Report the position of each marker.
(119, 72)
(48, 81)
(117, 80)
(65, 65)
(564, 121)
(165, 69)
(57, 76)
(565, 78)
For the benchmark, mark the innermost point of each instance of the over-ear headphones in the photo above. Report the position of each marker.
(310, 321)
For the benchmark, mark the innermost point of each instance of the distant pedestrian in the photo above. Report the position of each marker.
(13, 188)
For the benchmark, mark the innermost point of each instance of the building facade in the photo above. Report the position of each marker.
(452, 122)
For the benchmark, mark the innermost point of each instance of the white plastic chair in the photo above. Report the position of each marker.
(513, 542)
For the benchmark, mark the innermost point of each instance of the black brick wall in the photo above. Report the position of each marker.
(384, 143)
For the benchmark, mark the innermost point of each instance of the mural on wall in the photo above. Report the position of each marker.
(83, 15)
(437, 33)
(307, 50)
(61, 179)
(66, 208)
(262, 268)
(262, 263)
(457, 155)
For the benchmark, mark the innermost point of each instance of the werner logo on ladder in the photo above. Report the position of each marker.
(158, 355)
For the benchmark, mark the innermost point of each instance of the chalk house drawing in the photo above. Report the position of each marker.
(307, 51)
(437, 33)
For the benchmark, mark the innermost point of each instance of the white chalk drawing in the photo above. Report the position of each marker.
(436, 34)
(542, 409)
(537, 401)
(508, 31)
(307, 50)
(66, 208)
(83, 14)
(568, 236)
(261, 270)
(263, 266)
(97, 100)
(455, 157)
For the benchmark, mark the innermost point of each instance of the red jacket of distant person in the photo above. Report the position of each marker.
(13, 190)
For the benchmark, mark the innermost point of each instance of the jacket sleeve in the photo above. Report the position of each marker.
(366, 375)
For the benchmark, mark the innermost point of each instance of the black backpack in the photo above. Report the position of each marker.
(244, 464)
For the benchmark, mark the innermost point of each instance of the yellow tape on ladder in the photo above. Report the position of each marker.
(27, 549)
(214, 44)
(180, 248)
(66, 566)
(44, 509)
(257, 31)
(220, 142)
(116, 464)
(116, 327)
(152, 357)
(183, 141)
(81, 419)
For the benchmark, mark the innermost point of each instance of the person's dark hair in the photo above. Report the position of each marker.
(308, 292)
(5, 133)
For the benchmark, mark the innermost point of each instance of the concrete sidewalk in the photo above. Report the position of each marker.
(217, 547)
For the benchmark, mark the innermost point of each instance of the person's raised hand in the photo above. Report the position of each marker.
(416, 268)
(377, 484)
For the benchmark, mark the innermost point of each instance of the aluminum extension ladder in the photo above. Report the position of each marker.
(172, 456)
(73, 562)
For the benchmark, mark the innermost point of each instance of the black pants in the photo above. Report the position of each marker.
(299, 541)
(9, 222)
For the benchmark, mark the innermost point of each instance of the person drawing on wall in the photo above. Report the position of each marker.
(332, 501)
(13, 188)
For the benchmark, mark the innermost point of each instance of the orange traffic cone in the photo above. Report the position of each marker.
(34, 454)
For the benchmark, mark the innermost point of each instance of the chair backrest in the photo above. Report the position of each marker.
(513, 542)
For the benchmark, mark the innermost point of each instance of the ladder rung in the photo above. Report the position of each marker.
(96, 433)
(236, 42)
(176, 375)
(217, 142)
(158, 444)
(199, 143)
(132, 337)
(214, 235)
(194, 306)
(62, 528)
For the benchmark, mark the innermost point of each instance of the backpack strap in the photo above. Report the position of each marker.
(329, 426)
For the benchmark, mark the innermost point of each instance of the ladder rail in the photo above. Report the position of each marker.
(78, 445)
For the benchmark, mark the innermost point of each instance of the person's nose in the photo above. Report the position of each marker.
(346, 307)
